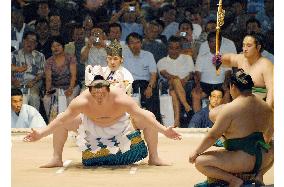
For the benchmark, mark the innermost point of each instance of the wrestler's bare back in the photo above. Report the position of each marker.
(115, 104)
(249, 114)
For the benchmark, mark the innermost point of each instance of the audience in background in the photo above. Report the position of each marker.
(84, 25)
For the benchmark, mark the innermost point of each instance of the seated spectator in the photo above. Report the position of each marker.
(161, 38)
(150, 9)
(94, 53)
(256, 9)
(28, 69)
(195, 18)
(254, 26)
(206, 76)
(22, 115)
(74, 48)
(44, 42)
(207, 12)
(178, 70)
(143, 68)
(201, 118)
(60, 73)
(55, 25)
(185, 32)
(226, 45)
(237, 26)
(18, 29)
(131, 21)
(88, 25)
(114, 33)
(158, 49)
(210, 26)
(42, 11)
(169, 18)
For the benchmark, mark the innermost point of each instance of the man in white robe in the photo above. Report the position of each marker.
(23, 115)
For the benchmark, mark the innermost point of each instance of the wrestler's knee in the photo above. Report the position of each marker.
(201, 162)
(149, 113)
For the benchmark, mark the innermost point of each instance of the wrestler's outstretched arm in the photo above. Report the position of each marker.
(230, 59)
(63, 118)
(147, 117)
(222, 123)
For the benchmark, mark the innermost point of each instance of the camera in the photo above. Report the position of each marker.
(96, 40)
(131, 8)
(183, 34)
(186, 45)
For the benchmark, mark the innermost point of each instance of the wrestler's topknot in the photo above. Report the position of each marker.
(242, 80)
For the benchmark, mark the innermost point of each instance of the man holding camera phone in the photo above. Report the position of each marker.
(185, 33)
(94, 53)
(130, 19)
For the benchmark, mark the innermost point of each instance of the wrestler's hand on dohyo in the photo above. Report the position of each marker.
(32, 136)
(172, 134)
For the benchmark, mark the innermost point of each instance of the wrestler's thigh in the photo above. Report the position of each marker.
(231, 161)
(74, 124)
(267, 157)
(141, 124)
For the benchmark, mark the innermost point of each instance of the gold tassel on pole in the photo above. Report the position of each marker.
(219, 23)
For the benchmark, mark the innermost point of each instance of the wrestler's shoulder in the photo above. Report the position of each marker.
(265, 61)
(117, 91)
(239, 56)
(231, 107)
(80, 99)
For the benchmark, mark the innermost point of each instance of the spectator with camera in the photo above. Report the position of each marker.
(185, 32)
(130, 18)
(94, 53)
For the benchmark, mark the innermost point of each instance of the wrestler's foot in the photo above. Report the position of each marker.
(236, 183)
(259, 179)
(53, 163)
(158, 162)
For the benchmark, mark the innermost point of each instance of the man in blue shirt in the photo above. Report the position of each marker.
(201, 118)
(143, 68)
